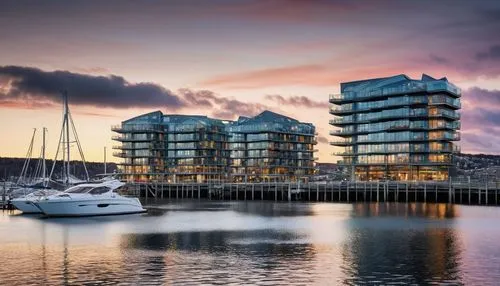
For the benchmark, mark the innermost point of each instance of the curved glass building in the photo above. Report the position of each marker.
(190, 148)
(396, 127)
(271, 147)
(172, 148)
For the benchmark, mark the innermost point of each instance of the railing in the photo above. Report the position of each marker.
(454, 102)
(342, 142)
(341, 120)
(348, 108)
(406, 151)
(129, 138)
(137, 128)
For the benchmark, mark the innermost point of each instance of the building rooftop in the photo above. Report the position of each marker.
(368, 85)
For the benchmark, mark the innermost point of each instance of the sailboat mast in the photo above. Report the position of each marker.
(66, 122)
(104, 160)
(44, 166)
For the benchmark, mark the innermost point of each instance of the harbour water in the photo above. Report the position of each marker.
(263, 243)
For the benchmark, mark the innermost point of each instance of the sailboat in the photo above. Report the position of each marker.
(24, 197)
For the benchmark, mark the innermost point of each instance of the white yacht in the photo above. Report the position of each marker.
(91, 199)
(25, 203)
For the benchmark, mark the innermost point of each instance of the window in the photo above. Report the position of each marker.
(99, 190)
(78, 190)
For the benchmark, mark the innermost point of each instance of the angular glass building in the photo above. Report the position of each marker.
(187, 148)
(173, 148)
(396, 127)
(142, 147)
(271, 147)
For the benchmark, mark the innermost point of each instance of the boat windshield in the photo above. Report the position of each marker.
(99, 190)
(79, 190)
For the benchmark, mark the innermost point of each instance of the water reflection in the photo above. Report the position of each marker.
(413, 210)
(256, 243)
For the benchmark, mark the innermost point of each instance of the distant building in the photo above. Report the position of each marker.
(396, 127)
(187, 148)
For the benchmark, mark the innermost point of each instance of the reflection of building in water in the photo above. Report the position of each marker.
(440, 211)
(412, 253)
(230, 256)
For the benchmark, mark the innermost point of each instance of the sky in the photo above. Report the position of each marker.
(224, 58)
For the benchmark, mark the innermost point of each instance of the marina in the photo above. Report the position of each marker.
(249, 142)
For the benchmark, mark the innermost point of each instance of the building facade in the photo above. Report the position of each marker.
(271, 147)
(397, 128)
(172, 148)
(187, 148)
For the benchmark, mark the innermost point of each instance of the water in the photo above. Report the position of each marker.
(260, 243)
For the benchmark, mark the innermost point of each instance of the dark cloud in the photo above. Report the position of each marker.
(298, 101)
(493, 53)
(34, 88)
(221, 107)
(32, 84)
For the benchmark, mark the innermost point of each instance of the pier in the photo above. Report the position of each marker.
(472, 193)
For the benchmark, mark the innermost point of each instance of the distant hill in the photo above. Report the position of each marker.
(478, 166)
(11, 167)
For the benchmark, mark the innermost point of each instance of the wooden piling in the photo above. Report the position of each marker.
(406, 192)
(364, 195)
(347, 191)
(425, 192)
(378, 185)
(317, 192)
(486, 193)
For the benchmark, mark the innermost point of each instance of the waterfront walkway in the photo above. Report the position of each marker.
(478, 193)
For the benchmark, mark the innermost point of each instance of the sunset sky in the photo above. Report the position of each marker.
(118, 59)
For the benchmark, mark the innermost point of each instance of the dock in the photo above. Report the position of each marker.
(471, 193)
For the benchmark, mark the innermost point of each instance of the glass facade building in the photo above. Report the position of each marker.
(187, 148)
(172, 148)
(397, 128)
(271, 147)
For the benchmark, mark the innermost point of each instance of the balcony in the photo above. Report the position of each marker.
(137, 128)
(133, 155)
(369, 94)
(125, 138)
(341, 132)
(345, 142)
(445, 100)
(346, 109)
(413, 87)
(341, 121)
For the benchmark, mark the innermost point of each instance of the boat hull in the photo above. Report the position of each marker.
(73, 208)
(26, 206)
